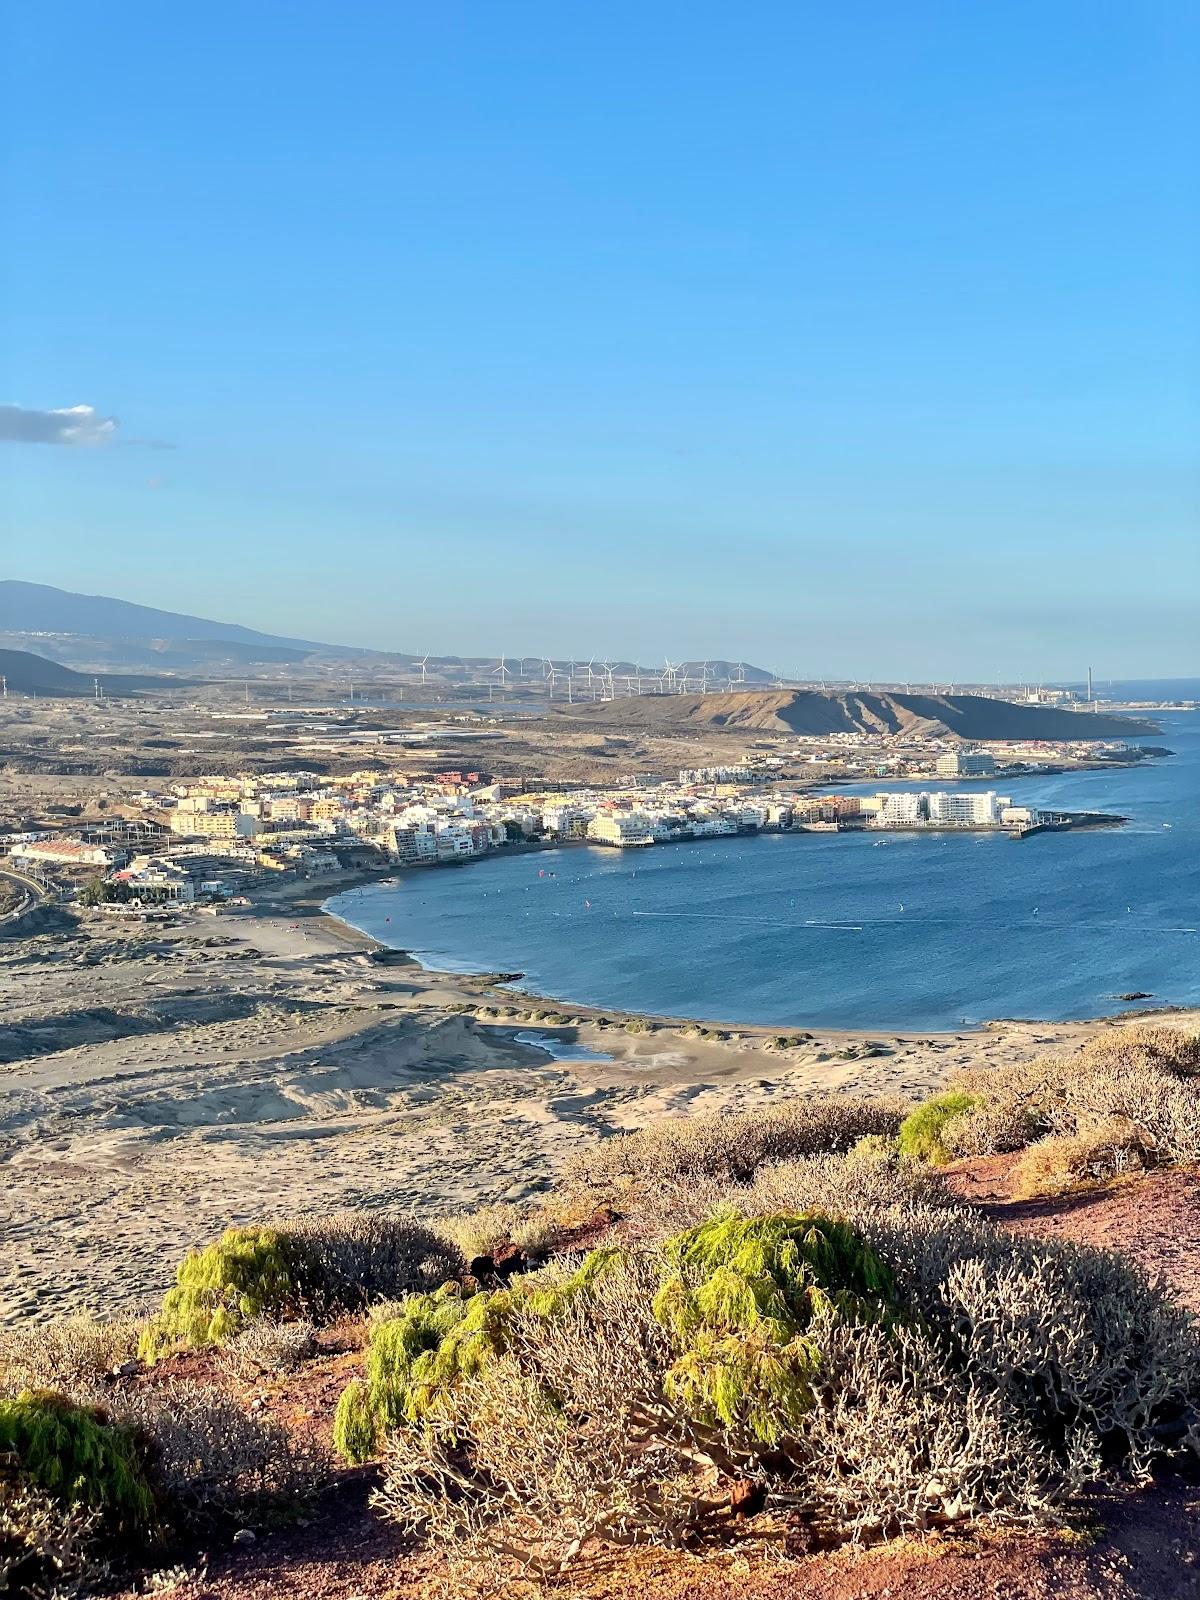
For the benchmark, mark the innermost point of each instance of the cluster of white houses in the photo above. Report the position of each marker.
(212, 835)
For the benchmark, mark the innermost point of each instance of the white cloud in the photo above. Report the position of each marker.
(71, 425)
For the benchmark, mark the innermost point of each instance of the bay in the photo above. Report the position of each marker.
(907, 931)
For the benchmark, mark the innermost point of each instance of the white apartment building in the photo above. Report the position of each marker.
(623, 828)
(412, 845)
(966, 764)
(159, 880)
(567, 822)
(901, 810)
(964, 810)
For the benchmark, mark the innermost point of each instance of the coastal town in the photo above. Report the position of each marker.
(214, 837)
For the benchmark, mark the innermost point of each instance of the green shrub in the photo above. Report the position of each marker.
(317, 1266)
(76, 1455)
(740, 1302)
(637, 1025)
(921, 1135)
(369, 1409)
(736, 1295)
(436, 1342)
(245, 1274)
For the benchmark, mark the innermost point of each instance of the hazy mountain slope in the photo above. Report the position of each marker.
(812, 711)
(26, 673)
(39, 608)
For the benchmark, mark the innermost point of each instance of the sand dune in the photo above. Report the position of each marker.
(162, 1084)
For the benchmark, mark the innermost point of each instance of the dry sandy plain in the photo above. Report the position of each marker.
(162, 1081)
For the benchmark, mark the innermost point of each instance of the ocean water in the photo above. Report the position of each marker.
(843, 930)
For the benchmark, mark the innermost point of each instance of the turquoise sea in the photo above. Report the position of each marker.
(843, 930)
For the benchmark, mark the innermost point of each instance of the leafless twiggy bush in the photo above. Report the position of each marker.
(900, 1440)
(1144, 1077)
(1063, 1162)
(836, 1185)
(266, 1346)
(347, 1260)
(215, 1462)
(730, 1149)
(46, 1549)
(70, 1353)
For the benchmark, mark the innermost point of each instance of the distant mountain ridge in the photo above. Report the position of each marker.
(98, 630)
(815, 711)
(40, 608)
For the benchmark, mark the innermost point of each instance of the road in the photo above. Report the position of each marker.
(34, 892)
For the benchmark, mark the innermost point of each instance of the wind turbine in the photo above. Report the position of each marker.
(424, 666)
(501, 671)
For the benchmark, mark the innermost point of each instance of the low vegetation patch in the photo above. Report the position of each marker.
(832, 1338)
(1129, 1098)
(266, 1347)
(1062, 1163)
(922, 1134)
(213, 1463)
(46, 1548)
(533, 1227)
(730, 1149)
(73, 1353)
(311, 1267)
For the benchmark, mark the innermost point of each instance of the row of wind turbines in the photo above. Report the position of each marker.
(596, 679)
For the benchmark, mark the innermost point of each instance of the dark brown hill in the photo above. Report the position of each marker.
(814, 711)
(26, 673)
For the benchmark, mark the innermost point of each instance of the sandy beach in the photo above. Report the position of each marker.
(164, 1080)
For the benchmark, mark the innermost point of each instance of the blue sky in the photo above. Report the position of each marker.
(856, 339)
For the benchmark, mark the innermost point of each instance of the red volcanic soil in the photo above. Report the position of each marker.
(1154, 1219)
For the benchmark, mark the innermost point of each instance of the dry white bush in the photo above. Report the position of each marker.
(531, 1227)
(901, 1441)
(1061, 1162)
(46, 1550)
(70, 1353)
(347, 1260)
(833, 1184)
(215, 1462)
(730, 1149)
(993, 1128)
(1145, 1077)
(266, 1346)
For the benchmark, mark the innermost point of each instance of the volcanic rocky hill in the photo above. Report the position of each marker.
(814, 711)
